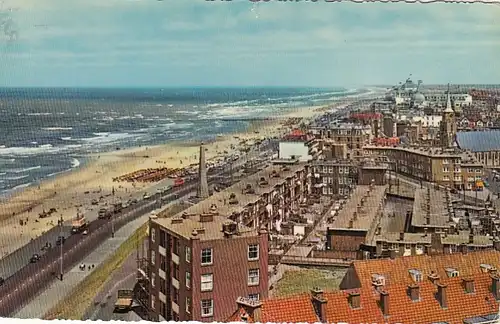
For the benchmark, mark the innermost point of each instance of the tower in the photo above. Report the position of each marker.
(448, 127)
(202, 175)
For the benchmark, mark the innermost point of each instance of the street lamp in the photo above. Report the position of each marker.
(61, 223)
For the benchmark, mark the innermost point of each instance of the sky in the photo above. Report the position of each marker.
(177, 43)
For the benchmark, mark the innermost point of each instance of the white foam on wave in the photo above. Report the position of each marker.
(66, 138)
(57, 128)
(25, 169)
(108, 138)
(25, 151)
(75, 163)
(24, 185)
(16, 178)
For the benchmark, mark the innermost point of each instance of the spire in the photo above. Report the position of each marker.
(448, 109)
(202, 175)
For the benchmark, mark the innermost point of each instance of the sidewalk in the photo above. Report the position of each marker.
(58, 290)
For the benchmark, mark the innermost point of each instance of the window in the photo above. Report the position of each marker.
(176, 296)
(207, 308)
(188, 254)
(176, 245)
(153, 257)
(446, 169)
(153, 234)
(253, 252)
(176, 271)
(153, 279)
(254, 297)
(188, 279)
(162, 238)
(153, 302)
(163, 263)
(162, 285)
(341, 180)
(206, 256)
(253, 277)
(207, 282)
(188, 305)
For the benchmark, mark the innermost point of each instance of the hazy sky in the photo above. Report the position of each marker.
(195, 42)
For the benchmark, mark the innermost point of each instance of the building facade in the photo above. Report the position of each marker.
(200, 263)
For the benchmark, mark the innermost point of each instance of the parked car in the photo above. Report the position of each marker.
(60, 240)
(35, 258)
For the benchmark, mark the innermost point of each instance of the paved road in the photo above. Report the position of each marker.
(26, 283)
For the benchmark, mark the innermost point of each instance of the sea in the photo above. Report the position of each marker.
(47, 131)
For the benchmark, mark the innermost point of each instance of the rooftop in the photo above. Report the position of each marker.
(246, 192)
(360, 210)
(430, 208)
(466, 157)
(396, 271)
(479, 141)
(205, 227)
(460, 305)
(419, 238)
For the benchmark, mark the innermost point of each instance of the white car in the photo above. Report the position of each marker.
(85, 232)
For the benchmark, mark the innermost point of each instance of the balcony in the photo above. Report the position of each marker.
(175, 308)
(175, 283)
(162, 297)
(175, 258)
(162, 251)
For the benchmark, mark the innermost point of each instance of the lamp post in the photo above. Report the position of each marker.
(61, 223)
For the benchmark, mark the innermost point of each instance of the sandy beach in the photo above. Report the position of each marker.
(74, 191)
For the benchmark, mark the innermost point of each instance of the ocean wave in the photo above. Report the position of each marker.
(24, 185)
(39, 114)
(101, 134)
(25, 169)
(3, 173)
(66, 138)
(25, 151)
(16, 178)
(75, 163)
(57, 128)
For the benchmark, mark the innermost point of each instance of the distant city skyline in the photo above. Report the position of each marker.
(150, 43)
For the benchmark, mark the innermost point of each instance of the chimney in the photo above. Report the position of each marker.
(202, 175)
(464, 248)
(428, 220)
(402, 236)
(441, 295)
(495, 286)
(252, 307)
(414, 292)
(384, 302)
(468, 284)
(471, 238)
(351, 223)
(355, 216)
(496, 245)
(354, 299)
(393, 254)
(433, 277)
(319, 303)
(206, 218)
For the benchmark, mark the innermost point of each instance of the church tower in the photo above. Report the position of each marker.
(448, 125)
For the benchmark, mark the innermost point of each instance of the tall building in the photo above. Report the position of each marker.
(202, 175)
(448, 129)
(200, 263)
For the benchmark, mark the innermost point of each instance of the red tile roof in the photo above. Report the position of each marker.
(396, 271)
(402, 309)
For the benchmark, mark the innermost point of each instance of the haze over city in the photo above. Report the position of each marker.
(124, 43)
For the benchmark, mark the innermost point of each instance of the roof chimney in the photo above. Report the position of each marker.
(252, 308)
(464, 248)
(471, 238)
(433, 277)
(414, 292)
(468, 284)
(496, 244)
(495, 286)
(401, 236)
(441, 295)
(351, 223)
(384, 302)
(206, 218)
(354, 299)
(428, 220)
(319, 303)
(393, 254)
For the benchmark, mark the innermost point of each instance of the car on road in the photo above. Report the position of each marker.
(85, 232)
(35, 258)
(146, 196)
(60, 240)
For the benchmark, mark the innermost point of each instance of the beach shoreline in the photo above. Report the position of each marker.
(73, 191)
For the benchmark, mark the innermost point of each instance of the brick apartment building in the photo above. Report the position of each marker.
(445, 289)
(354, 136)
(448, 167)
(200, 263)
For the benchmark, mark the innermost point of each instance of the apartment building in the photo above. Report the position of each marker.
(352, 135)
(355, 223)
(339, 177)
(200, 263)
(449, 167)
